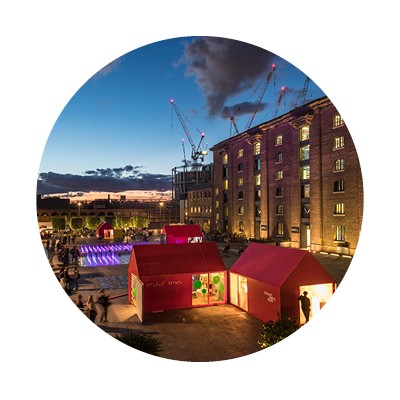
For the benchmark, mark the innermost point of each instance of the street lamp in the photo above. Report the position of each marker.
(79, 208)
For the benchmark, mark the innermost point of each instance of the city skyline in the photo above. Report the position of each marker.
(96, 143)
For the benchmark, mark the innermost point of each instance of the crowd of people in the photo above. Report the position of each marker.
(90, 307)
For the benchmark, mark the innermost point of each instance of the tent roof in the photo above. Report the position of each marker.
(165, 259)
(104, 224)
(183, 230)
(268, 264)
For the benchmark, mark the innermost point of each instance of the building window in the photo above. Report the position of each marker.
(257, 164)
(217, 217)
(257, 195)
(279, 192)
(338, 142)
(305, 152)
(225, 172)
(278, 158)
(304, 133)
(339, 208)
(338, 165)
(257, 179)
(337, 121)
(305, 191)
(226, 211)
(216, 191)
(258, 211)
(338, 186)
(240, 195)
(279, 175)
(240, 167)
(339, 233)
(279, 209)
(279, 229)
(240, 226)
(240, 153)
(226, 184)
(305, 172)
(278, 140)
(257, 148)
(240, 182)
(225, 159)
(241, 210)
(216, 203)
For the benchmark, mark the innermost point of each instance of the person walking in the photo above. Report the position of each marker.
(305, 305)
(79, 302)
(75, 276)
(91, 308)
(104, 301)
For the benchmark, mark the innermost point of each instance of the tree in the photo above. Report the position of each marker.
(275, 331)
(59, 223)
(93, 222)
(76, 223)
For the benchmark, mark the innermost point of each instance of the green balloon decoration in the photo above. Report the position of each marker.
(204, 291)
(221, 287)
(197, 284)
(216, 279)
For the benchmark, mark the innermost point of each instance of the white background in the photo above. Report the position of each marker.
(49, 49)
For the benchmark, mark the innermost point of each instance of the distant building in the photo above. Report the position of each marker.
(295, 179)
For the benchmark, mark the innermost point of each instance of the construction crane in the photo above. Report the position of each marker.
(303, 94)
(264, 88)
(233, 122)
(278, 102)
(185, 163)
(197, 152)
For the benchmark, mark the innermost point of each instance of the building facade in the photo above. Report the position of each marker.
(295, 179)
(200, 204)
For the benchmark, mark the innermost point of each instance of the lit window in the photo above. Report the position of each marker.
(278, 140)
(216, 203)
(305, 191)
(338, 142)
(304, 133)
(240, 182)
(241, 226)
(339, 233)
(278, 158)
(257, 148)
(337, 121)
(241, 210)
(257, 179)
(279, 228)
(279, 175)
(226, 211)
(279, 209)
(279, 192)
(226, 185)
(305, 172)
(338, 165)
(217, 217)
(240, 153)
(225, 159)
(305, 153)
(216, 191)
(338, 186)
(339, 208)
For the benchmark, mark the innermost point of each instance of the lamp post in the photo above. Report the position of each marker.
(79, 208)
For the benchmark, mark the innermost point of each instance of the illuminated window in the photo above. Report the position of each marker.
(257, 179)
(278, 140)
(217, 217)
(279, 175)
(225, 159)
(241, 210)
(240, 153)
(305, 172)
(337, 121)
(305, 191)
(339, 208)
(279, 192)
(241, 226)
(305, 152)
(216, 203)
(257, 148)
(304, 133)
(338, 186)
(226, 184)
(279, 229)
(226, 212)
(338, 142)
(339, 233)
(216, 191)
(279, 209)
(240, 182)
(338, 165)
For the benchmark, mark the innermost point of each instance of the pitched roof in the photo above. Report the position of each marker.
(164, 259)
(269, 264)
(183, 230)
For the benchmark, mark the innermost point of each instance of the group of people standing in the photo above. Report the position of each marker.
(69, 282)
(90, 307)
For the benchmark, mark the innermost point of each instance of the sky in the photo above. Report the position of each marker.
(120, 133)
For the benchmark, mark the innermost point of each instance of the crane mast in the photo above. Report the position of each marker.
(233, 122)
(278, 103)
(269, 76)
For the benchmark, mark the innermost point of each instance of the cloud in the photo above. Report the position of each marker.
(103, 179)
(243, 108)
(112, 66)
(224, 67)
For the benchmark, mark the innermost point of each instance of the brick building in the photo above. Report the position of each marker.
(295, 179)
(200, 204)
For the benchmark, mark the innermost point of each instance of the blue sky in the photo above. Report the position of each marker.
(119, 131)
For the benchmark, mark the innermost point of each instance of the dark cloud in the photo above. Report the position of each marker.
(107, 179)
(243, 108)
(224, 67)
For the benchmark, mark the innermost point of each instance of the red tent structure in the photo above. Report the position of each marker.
(183, 234)
(266, 281)
(169, 276)
(105, 231)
